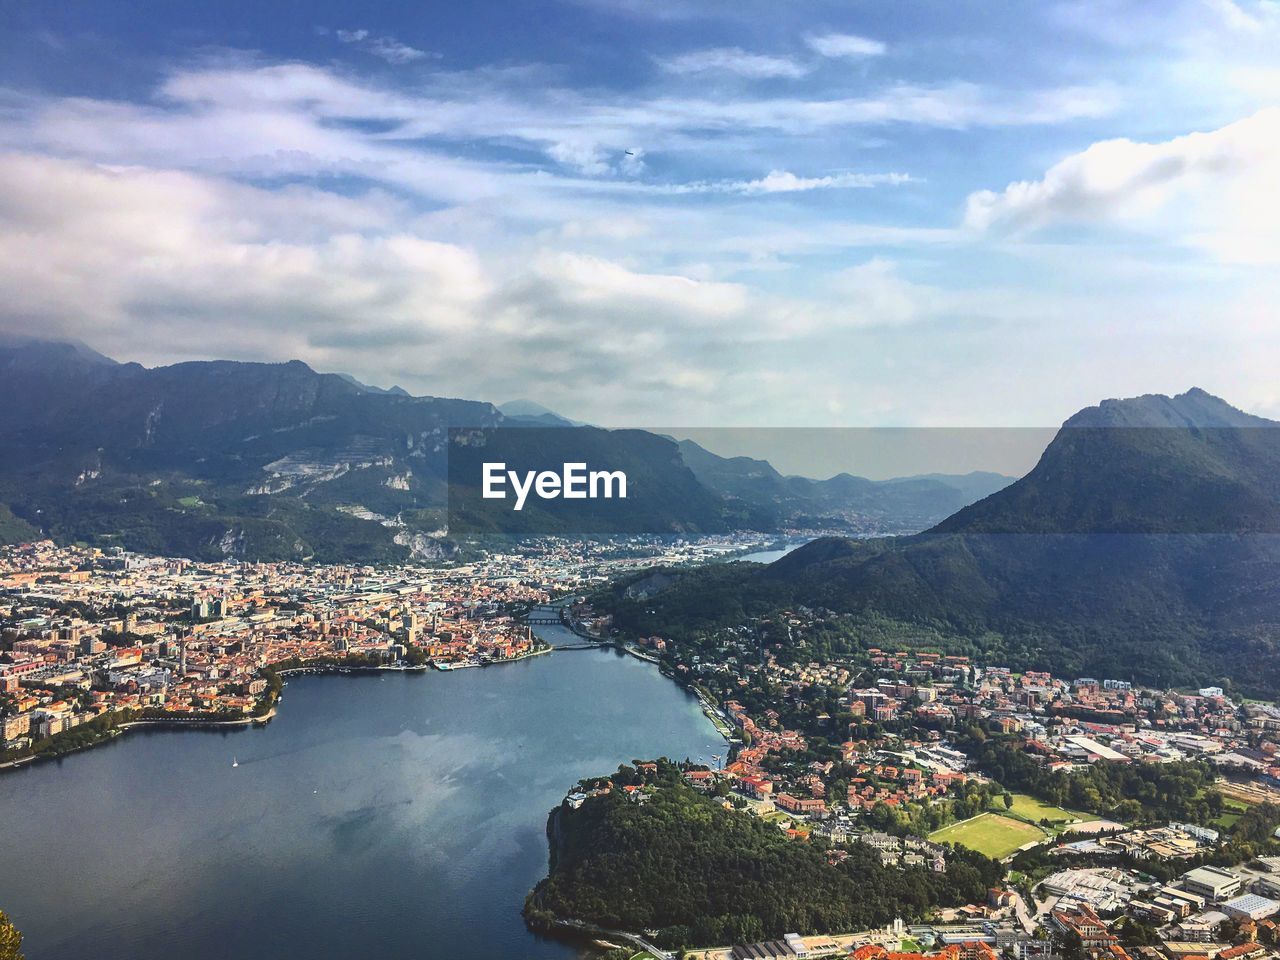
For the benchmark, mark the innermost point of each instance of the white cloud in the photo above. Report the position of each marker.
(380, 45)
(874, 291)
(238, 117)
(1237, 18)
(587, 280)
(733, 60)
(588, 158)
(156, 256)
(1214, 189)
(292, 114)
(956, 106)
(1186, 24)
(1191, 63)
(497, 239)
(159, 265)
(846, 45)
(783, 181)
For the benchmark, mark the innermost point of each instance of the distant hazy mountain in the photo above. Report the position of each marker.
(531, 412)
(395, 390)
(1145, 543)
(906, 504)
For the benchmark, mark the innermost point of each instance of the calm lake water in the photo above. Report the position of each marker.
(768, 556)
(390, 815)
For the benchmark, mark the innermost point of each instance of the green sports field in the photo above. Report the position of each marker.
(989, 833)
(1029, 808)
(1232, 810)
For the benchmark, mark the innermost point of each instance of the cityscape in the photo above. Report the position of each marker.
(94, 638)
(889, 750)
(640, 480)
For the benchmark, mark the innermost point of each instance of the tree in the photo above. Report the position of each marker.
(10, 939)
(1071, 946)
(1134, 933)
(1266, 935)
(1008, 801)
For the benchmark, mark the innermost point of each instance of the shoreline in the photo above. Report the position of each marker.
(712, 713)
(721, 725)
(123, 728)
(450, 666)
(178, 721)
(569, 624)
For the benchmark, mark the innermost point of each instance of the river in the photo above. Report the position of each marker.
(394, 815)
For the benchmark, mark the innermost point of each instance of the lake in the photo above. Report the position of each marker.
(768, 556)
(389, 814)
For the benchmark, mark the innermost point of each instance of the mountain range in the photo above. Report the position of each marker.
(276, 461)
(905, 504)
(1144, 544)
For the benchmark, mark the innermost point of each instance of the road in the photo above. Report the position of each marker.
(1025, 916)
(634, 938)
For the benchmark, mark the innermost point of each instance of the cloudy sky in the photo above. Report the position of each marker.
(645, 212)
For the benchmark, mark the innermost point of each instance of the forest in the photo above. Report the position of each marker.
(1131, 792)
(683, 865)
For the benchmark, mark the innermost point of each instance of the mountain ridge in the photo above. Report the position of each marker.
(1144, 544)
(219, 458)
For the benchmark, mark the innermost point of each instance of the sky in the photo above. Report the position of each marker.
(746, 213)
